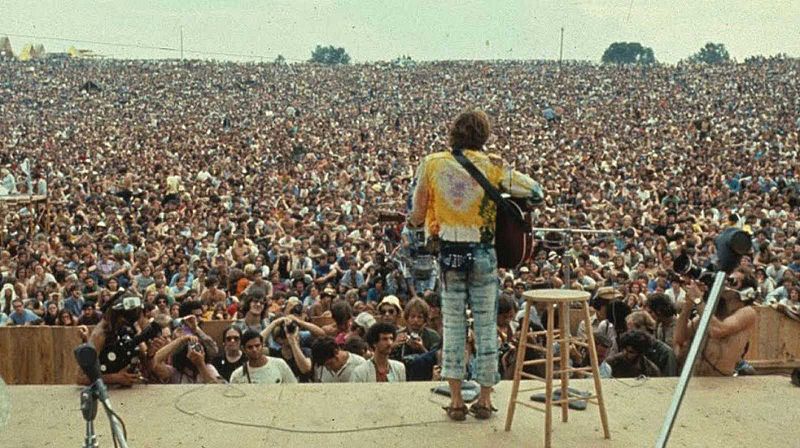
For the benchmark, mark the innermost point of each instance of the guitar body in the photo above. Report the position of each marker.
(513, 242)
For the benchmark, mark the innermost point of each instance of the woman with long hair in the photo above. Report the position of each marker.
(65, 318)
(51, 314)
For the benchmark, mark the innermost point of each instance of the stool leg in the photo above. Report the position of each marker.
(598, 388)
(564, 362)
(518, 366)
(548, 416)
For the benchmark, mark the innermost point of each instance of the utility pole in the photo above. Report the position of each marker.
(562, 32)
(561, 49)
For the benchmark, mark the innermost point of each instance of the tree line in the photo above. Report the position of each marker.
(636, 53)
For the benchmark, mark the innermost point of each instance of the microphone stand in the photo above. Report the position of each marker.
(89, 411)
(89, 397)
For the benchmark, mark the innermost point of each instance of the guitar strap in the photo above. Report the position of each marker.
(502, 204)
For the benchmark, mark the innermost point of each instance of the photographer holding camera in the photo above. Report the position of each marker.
(728, 331)
(289, 338)
(120, 339)
(190, 363)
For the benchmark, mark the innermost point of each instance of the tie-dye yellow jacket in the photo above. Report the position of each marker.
(453, 206)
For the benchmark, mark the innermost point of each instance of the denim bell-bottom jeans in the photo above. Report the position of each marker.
(477, 287)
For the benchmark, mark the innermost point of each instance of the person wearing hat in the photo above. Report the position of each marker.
(458, 212)
(389, 310)
(362, 322)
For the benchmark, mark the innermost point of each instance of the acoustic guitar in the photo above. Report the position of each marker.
(513, 240)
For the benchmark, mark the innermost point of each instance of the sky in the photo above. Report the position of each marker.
(373, 30)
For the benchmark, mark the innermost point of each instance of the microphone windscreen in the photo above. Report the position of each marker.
(86, 355)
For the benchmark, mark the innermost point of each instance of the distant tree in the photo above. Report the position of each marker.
(711, 54)
(404, 61)
(280, 60)
(330, 55)
(628, 53)
(6, 52)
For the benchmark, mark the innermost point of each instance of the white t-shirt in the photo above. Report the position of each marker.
(275, 371)
(324, 375)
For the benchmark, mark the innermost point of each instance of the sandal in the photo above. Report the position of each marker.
(456, 414)
(481, 412)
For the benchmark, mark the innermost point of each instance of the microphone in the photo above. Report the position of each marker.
(86, 355)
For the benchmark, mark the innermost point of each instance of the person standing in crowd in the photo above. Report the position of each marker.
(260, 368)
(333, 364)
(231, 357)
(457, 211)
(380, 369)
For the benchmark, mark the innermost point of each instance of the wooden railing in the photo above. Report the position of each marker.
(43, 355)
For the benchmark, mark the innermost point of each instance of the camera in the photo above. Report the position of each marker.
(731, 244)
(684, 267)
(195, 346)
(124, 349)
(290, 328)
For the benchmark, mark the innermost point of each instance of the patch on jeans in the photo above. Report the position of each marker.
(455, 258)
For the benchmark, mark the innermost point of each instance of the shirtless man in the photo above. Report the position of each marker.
(728, 331)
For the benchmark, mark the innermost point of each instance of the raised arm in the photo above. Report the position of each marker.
(684, 326)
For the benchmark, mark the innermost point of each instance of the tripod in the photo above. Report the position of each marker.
(89, 397)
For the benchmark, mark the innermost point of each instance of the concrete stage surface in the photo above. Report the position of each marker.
(730, 412)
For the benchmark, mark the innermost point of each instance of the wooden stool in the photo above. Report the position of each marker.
(563, 298)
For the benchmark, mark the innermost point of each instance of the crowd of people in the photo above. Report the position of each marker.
(255, 193)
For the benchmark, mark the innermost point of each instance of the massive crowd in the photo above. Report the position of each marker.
(252, 192)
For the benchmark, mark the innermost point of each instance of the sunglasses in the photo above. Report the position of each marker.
(389, 311)
(232, 338)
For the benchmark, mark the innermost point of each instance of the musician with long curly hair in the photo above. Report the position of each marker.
(458, 212)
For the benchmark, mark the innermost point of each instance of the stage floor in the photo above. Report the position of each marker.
(734, 412)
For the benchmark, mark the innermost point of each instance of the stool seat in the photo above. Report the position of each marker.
(555, 295)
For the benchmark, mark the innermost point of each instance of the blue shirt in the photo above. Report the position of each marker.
(74, 306)
(26, 317)
(351, 279)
